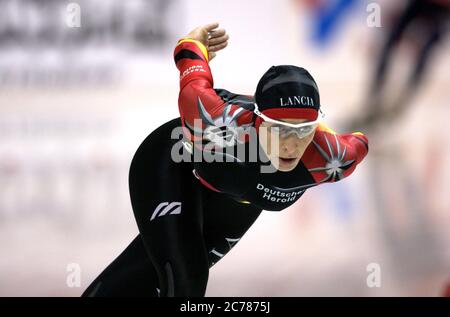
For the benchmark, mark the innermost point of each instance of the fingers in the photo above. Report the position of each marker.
(217, 33)
(211, 26)
(217, 47)
(218, 40)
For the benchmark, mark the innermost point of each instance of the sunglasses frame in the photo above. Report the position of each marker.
(319, 119)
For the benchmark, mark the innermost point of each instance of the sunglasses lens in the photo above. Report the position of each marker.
(305, 131)
(285, 131)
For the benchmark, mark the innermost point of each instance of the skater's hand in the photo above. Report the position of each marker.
(214, 39)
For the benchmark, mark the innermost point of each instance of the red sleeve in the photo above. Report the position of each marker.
(331, 157)
(197, 98)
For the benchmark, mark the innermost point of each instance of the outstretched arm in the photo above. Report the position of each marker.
(192, 54)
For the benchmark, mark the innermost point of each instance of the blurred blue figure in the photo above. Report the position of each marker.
(328, 16)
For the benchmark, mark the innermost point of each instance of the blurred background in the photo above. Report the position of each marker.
(78, 96)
